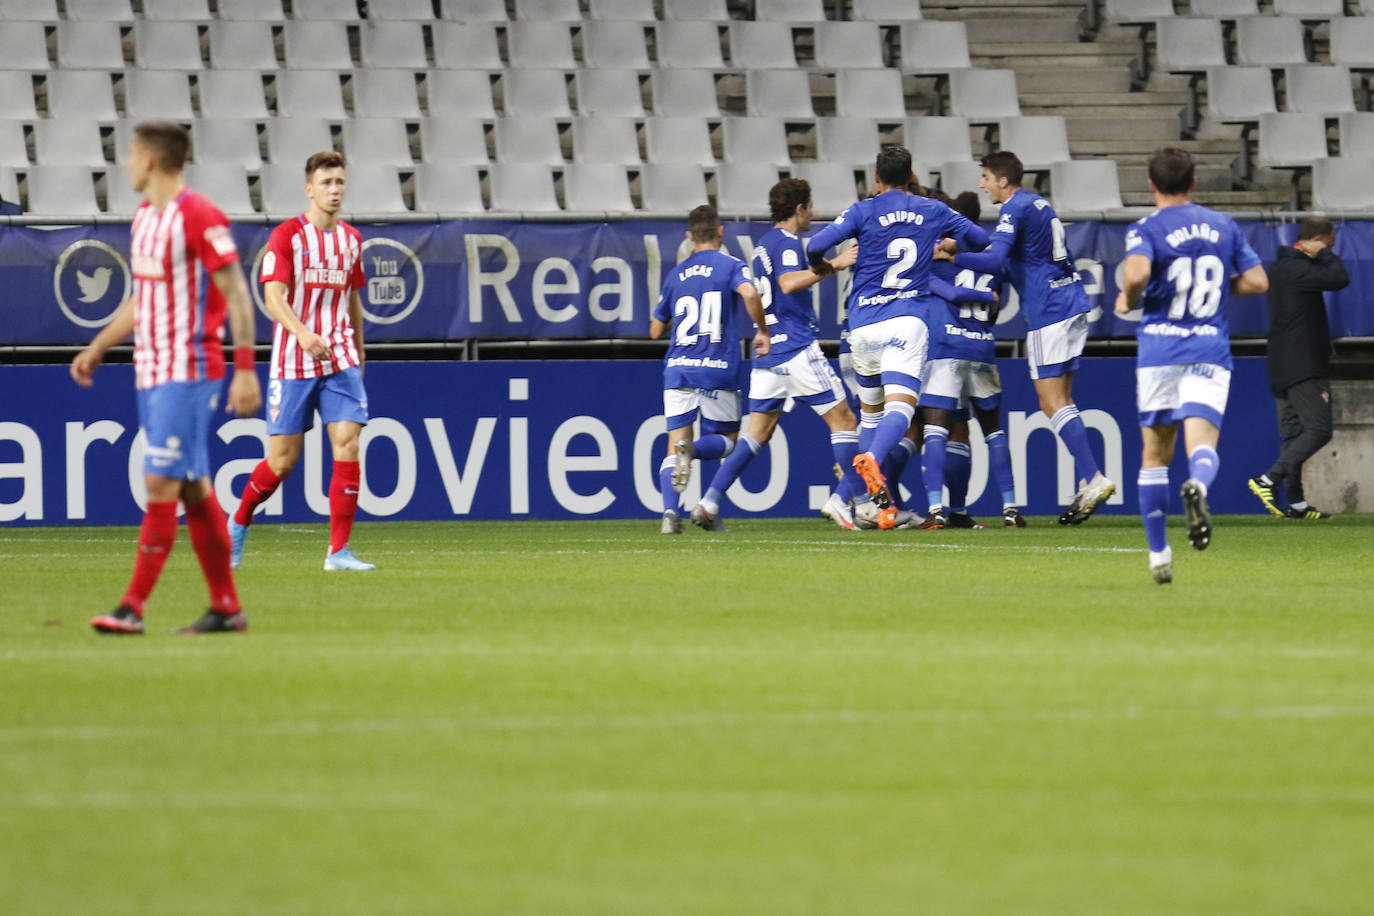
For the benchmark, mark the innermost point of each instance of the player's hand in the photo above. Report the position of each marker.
(245, 395)
(846, 258)
(84, 365)
(940, 254)
(1311, 247)
(948, 245)
(313, 344)
(1122, 306)
(761, 343)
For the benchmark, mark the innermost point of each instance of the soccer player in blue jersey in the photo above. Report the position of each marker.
(701, 369)
(889, 303)
(1029, 245)
(1182, 262)
(794, 366)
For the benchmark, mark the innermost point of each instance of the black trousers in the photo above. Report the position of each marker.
(1304, 427)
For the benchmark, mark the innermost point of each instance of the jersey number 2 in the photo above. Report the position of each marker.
(698, 318)
(904, 251)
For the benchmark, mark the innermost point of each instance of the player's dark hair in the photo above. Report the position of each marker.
(169, 142)
(1171, 170)
(1316, 228)
(1004, 164)
(894, 166)
(325, 160)
(967, 206)
(786, 196)
(703, 223)
(914, 187)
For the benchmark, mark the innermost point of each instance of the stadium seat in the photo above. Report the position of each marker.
(677, 140)
(1341, 183)
(684, 94)
(99, 10)
(373, 189)
(225, 183)
(762, 46)
(16, 96)
(81, 94)
(850, 141)
(447, 189)
(395, 45)
(528, 140)
(1289, 139)
(1310, 9)
(1352, 42)
(1320, 89)
(1130, 12)
(28, 11)
(610, 140)
(1366, 7)
(1357, 134)
(548, 10)
(1269, 40)
(755, 140)
(474, 10)
(242, 46)
(385, 94)
(291, 141)
(157, 95)
(689, 44)
(609, 93)
(231, 94)
(524, 187)
(405, 10)
(377, 140)
(535, 94)
(13, 150)
(459, 94)
(466, 46)
(1239, 93)
(535, 45)
(250, 11)
(870, 94)
(742, 187)
(615, 45)
(1189, 45)
(23, 46)
(9, 185)
(315, 10)
(460, 141)
(832, 185)
(167, 46)
(935, 139)
(310, 94)
(1037, 141)
(282, 188)
(597, 187)
(982, 95)
(317, 45)
(959, 175)
(123, 136)
(61, 190)
(1224, 9)
(846, 44)
(88, 45)
(778, 94)
(672, 188)
(885, 10)
(122, 200)
(713, 10)
(225, 141)
(789, 11)
(934, 47)
(1085, 186)
(623, 10)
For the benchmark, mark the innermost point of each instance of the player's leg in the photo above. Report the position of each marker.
(989, 414)
(1202, 394)
(343, 409)
(934, 449)
(156, 537)
(1054, 353)
(678, 437)
(866, 349)
(205, 520)
(844, 445)
(1153, 489)
(761, 426)
(958, 472)
(901, 344)
(720, 420)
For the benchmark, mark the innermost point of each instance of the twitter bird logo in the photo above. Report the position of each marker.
(95, 285)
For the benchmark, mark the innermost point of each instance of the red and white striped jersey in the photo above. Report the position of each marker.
(178, 312)
(322, 269)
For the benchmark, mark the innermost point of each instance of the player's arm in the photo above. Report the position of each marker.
(1135, 276)
(795, 281)
(960, 295)
(989, 260)
(355, 315)
(245, 395)
(1251, 283)
(753, 304)
(88, 360)
(845, 226)
(274, 292)
(1324, 272)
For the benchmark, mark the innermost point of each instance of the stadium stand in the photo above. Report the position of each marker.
(758, 45)
(448, 188)
(741, 186)
(459, 94)
(609, 93)
(755, 140)
(597, 187)
(523, 187)
(231, 94)
(453, 141)
(612, 141)
(386, 93)
(672, 188)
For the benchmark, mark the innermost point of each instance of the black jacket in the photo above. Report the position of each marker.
(1299, 332)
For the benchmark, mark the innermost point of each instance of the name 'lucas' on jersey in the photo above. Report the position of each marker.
(1194, 252)
(791, 322)
(700, 302)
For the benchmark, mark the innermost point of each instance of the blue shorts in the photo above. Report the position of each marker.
(339, 396)
(175, 419)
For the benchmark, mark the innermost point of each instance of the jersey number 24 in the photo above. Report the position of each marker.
(698, 318)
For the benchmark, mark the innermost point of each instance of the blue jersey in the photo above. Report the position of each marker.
(963, 330)
(1194, 252)
(897, 234)
(791, 322)
(700, 299)
(1029, 239)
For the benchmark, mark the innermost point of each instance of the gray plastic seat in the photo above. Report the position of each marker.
(310, 94)
(89, 45)
(623, 10)
(1352, 42)
(1357, 134)
(28, 11)
(528, 140)
(742, 187)
(548, 10)
(535, 45)
(935, 47)
(382, 141)
(684, 94)
(597, 187)
(1310, 9)
(231, 94)
(1224, 9)
(714, 10)
(393, 45)
(448, 189)
(848, 44)
(317, 45)
(959, 175)
(9, 185)
(1315, 88)
(1239, 93)
(522, 187)
(984, 95)
(762, 46)
(1085, 186)
(833, 188)
(81, 94)
(474, 10)
(761, 140)
(120, 197)
(536, 94)
(777, 94)
(16, 96)
(1269, 40)
(885, 10)
(678, 141)
(167, 46)
(459, 141)
(1189, 45)
(373, 189)
(291, 141)
(689, 44)
(615, 45)
(99, 10)
(609, 140)
(242, 46)
(23, 46)
(609, 93)
(225, 183)
(672, 188)
(13, 150)
(122, 139)
(392, 10)
(1131, 12)
(789, 10)
(282, 188)
(315, 10)
(385, 94)
(466, 46)
(849, 141)
(61, 190)
(459, 94)
(1341, 183)
(157, 95)
(1290, 139)
(251, 11)
(225, 141)
(1037, 140)
(871, 94)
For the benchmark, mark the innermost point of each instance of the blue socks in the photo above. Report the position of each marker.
(897, 416)
(665, 486)
(712, 446)
(730, 469)
(868, 426)
(934, 451)
(958, 470)
(1069, 427)
(1153, 484)
(999, 457)
(1203, 465)
(845, 445)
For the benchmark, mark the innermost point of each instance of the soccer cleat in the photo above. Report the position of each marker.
(1266, 495)
(1162, 573)
(1085, 502)
(1195, 510)
(1311, 512)
(903, 519)
(869, 517)
(213, 621)
(934, 521)
(682, 464)
(1012, 518)
(705, 520)
(237, 535)
(343, 559)
(867, 467)
(122, 621)
(838, 511)
(962, 520)
(671, 524)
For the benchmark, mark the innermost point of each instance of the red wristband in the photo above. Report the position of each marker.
(244, 358)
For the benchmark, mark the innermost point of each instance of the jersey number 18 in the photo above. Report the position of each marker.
(1197, 286)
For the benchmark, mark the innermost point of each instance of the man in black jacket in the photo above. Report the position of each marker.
(1299, 361)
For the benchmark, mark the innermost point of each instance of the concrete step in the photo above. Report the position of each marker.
(1154, 130)
(1146, 146)
(1209, 178)
(1060, 80)
(1023, 29)
(1102, 98)
(1056, 49)
(1105, 112)
(1222, 200)
(1089, 61)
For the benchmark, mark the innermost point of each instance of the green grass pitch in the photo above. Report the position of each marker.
(788, 718)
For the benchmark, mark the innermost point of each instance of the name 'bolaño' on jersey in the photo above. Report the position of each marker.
(700, 302)
(791, 322)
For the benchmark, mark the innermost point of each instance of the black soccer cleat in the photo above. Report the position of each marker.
(1012, 518)
(1311, 513)
(935, 521)
(1266, 495)
(962, 520)
(122, 621)
(1199, 518)
(213, 621)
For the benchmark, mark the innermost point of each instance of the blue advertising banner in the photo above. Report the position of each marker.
(500, 279)
(554, 440)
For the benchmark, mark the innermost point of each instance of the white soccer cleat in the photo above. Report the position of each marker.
(1085, 502)
(706, 520)
(343, 559)
(682, 464)
(868, 517)
(1162, 566)
(671, 524)
(838, 511)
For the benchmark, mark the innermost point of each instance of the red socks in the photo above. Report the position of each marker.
(260, 488)
(343, 503)
(155, 542)
(210, 538)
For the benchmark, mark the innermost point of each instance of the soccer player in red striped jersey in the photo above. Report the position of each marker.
(180, 239)
(311, 273)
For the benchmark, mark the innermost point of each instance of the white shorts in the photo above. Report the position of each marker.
(719, 408)
(806, 376)
(1054, 349)
(890, 355)
(1167, 394)
(948, 382)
